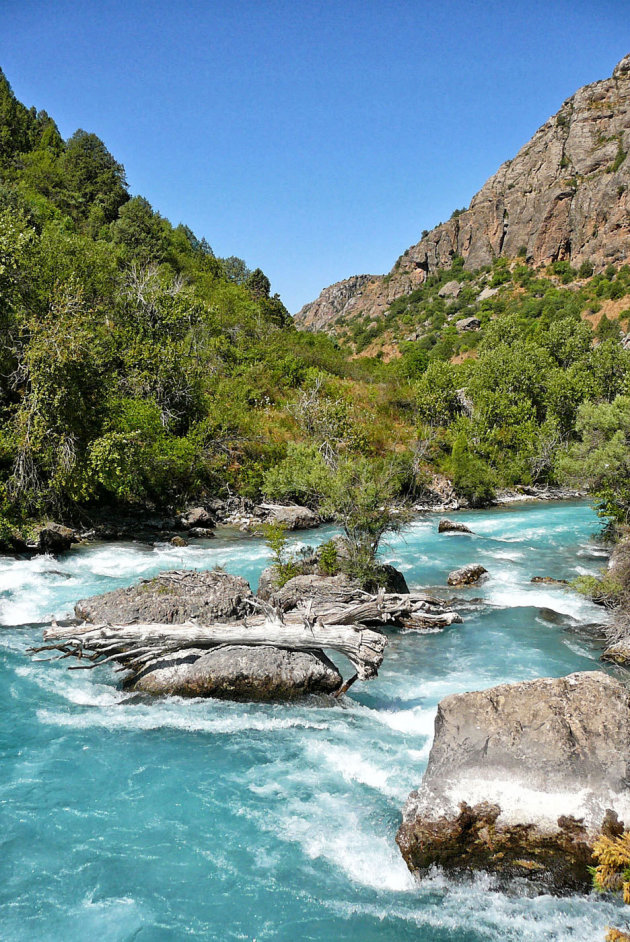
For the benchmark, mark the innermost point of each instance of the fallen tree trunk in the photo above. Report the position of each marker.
(411, 610)
(343, 623)
(137, 646)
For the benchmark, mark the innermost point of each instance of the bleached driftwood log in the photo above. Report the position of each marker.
(341, 622)
(137, 646)
(412, 610)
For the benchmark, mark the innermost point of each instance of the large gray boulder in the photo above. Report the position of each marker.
(235, 672)
(240, 672)
(467, 323)
(197, 517)
(171, 598)
(451, 289)
(293, 517)
(521, 778)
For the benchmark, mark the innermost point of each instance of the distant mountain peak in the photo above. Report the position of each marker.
(564, 196)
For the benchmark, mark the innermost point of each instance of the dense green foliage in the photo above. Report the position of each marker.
(136, 369)
(139, 370)
(510, 402)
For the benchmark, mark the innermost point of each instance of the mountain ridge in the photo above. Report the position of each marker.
(564, 196)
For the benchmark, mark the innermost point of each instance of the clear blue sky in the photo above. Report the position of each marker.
(314, 139)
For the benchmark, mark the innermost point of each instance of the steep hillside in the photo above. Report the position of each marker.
(563, 197)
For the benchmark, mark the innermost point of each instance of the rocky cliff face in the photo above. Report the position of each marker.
(564, 196)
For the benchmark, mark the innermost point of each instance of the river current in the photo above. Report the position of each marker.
(176, 820)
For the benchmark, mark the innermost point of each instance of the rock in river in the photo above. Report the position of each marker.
(240, 672)
(55, 538)
(196, 517)
(172, 597)
(231, 671)
(467, 575)
(521, 779)
(450, 526)
(548, 580)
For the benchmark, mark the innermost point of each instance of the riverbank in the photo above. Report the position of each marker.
(200, 520)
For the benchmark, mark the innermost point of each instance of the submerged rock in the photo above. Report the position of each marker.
(467, 575)
(548, 580)
(520, 779)
(450, 526)
(240, 672)
(172, 597)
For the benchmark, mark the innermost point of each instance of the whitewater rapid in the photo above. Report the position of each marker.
(180, 819)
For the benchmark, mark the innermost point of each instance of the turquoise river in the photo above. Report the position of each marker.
(209, 820)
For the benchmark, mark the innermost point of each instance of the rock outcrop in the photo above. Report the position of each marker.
(336, 301)
(172, 597)
(197, 518)
(565, 195)
(240, 672)
(521, 778)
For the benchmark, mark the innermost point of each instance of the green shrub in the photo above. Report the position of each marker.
(328, 558)
(284, 565)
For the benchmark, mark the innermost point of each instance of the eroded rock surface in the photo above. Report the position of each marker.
(172, 598)
(520, 780)
(240, 672)
(291, 516)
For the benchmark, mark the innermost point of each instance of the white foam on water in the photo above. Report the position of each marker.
(510, 556)
(582, 650)
(416, 721)
(44, 587)
(353, 766)
(593, 552)
(453, 906)
(330, 827)
(587, 570)
(167, 716)
(83, 692)
(504, 591)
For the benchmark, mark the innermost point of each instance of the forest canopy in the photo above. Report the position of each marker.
(139, 370)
